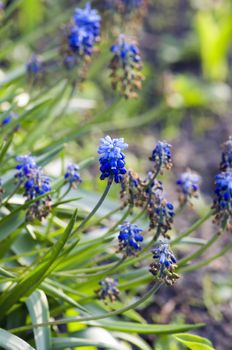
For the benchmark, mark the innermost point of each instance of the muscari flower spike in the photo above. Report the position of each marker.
(82, 35)
(161, 213)
(35, 184)
(130, 238)
(109, 289)
(162, 156)
(164, 264)
(223, 199)
(112, 159)
(188, 186)
(34, 67)
(126, 67)
(72, 175)
(137, 192)
(226, 161)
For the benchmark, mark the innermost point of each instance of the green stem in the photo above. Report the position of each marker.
(200, 250)
(97, 206)
(208, 261)
(106, 271)
(132, 306)
(108, 215)
(119, 222)
(192, 228)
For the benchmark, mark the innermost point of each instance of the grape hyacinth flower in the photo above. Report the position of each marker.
(35, 184)
(223, 199)
(129, 238)
(165, 263)
(72, 175)
(108, 289)
(112, 159)
(34, 67)
(126, 67)
(161, 213)
(162, 156)
(188, 186)
(226, 162)
(81, 35)
(8, 118)
(137, 192)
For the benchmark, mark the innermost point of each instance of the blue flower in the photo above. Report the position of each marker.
(164, 263)
(89, 19)
(188, 185)
(126, 66)
(223, 199)
(129, 238)
(226, 162)
(161, 213)
(25, 167)
(34, 66)
(35, 184)
(8, 118)
(108, 289)
(72, 174)
(162, 156)
(112, 160)
(84, 32)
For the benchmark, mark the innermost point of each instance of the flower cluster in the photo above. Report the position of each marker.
(35, 184)
(112, 159)
(223, 199)
(165, 263)
(126, 67)
(226, 162)
(109, 289)
(81, 35)
(188, 186)
(162, 156)
(148, 193)
(72, 175)
(129, 238)
(34, 68)
(161, 213)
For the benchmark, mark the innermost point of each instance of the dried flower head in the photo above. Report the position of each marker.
(223, 199)
(126, 68)
(109, 289)
(188, 186)
(164, 264)
(226, 162)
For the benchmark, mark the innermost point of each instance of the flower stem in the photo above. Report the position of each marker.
(200, 250)
(97, 206)
(132, 306)
(192, 228)
(208, 261)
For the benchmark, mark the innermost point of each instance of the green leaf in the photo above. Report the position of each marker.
(63, 343)
(144, 328)
(11, 342)
(194, 342)
(38, 308)
(10, 223)
(34, 278)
